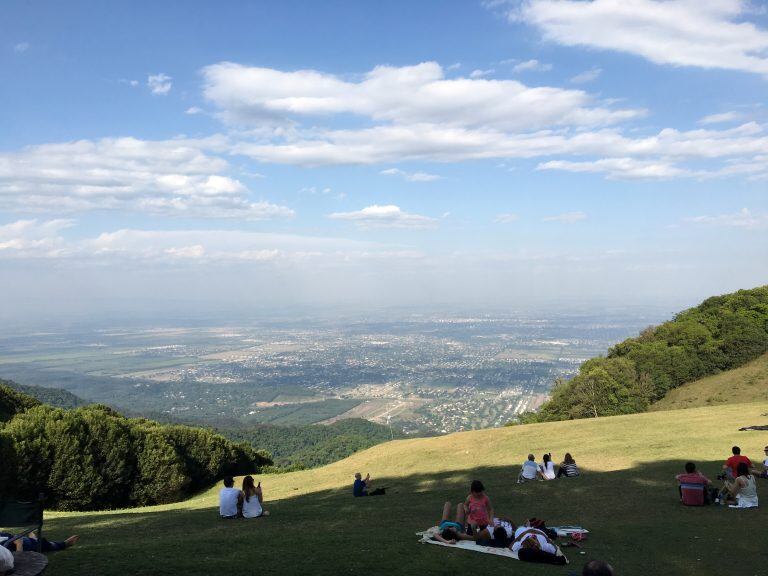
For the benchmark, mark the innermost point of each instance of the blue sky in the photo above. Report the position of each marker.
(381, 153)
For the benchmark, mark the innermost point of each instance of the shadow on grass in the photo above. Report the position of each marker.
(634, 517)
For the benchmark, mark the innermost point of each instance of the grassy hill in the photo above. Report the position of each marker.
(746, 384)
(627, 497)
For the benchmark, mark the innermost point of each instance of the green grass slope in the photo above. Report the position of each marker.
(627, 497)
(746, 384)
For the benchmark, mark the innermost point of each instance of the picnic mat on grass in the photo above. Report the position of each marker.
(426, 538)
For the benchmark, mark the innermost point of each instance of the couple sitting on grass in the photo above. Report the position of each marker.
(245, 503)
(546, 470)
(739, 487)
(474, 520)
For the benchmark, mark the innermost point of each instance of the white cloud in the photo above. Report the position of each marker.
(21, 47)
(744, 218)
(388, 216)
(588, 76)
(411, 176)
(25, 237)
(173, 177)
(506, 218)
(159, 83)
(193, 110)
(720, 118)
(621, 168)
(701, 33)
(481, 73)
(566, 218)
(405, 96)
(531, 66)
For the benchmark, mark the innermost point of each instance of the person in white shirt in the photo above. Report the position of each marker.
(547, 468)
(230, 499)
(253, 499)
(529, 471)
(527, 537)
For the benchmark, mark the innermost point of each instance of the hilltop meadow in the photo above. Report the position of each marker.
(627, 498)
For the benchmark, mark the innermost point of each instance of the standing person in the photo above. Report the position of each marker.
(478, 506)
(253, 499)
(731, 465)
(230, 499)
(547, 467)
(743, 490)
(529, 471)
(568, 467)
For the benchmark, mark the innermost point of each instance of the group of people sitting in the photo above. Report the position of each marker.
(545, 470)
(739, 489)
(247, 502)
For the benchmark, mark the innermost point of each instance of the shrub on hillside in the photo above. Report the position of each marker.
(93, 458)
(722, 333)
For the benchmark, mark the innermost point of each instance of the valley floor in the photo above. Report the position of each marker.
(627, 498)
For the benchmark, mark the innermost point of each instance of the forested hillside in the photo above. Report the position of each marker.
(57, 397)
(722, 333)
(93, 458)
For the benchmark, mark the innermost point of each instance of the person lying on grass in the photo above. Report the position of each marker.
(451, 531)
(742, 492)
(533, 545)
(29, 543)
(478, 507)
(363, 487)
(252, 499)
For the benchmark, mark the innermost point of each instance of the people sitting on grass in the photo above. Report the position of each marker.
(547, 468)
(529, 470)
(363, 487)
(731, 465)
(252, 499)
(597, 568)
(230, 500)
(693, 486)
(742, 492)
(568, 467)
(30, 543)
(478, 507)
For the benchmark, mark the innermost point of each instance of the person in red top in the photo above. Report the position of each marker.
(693, 486)
(733, 462)
(478, 506)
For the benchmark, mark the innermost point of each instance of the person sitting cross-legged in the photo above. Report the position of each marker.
(230, 500)
(693, 486)
(529, 470)
(742, 492)
(252, 499)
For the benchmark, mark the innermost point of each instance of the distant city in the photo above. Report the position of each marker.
(425, 374)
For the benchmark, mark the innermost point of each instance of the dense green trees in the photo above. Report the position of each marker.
(93, 458)
(723, 332)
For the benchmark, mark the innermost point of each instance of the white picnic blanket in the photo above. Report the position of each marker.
(426, 538)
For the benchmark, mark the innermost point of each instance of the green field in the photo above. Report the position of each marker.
(301, 413)
(626, 497)
(746, 384)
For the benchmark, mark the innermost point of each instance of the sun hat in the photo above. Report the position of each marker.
(6, 560)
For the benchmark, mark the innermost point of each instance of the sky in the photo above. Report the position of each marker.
(256, 155)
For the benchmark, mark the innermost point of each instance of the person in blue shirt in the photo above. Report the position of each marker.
(362, 487)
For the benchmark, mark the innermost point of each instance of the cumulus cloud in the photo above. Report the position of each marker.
(531, 66)
(411, 176)
(701, 33)
(588, 76)
(172, 177)
(388, 216)
(566, 218)
(744, 218)
(506, 218)
(25, 237)
(159, 84)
